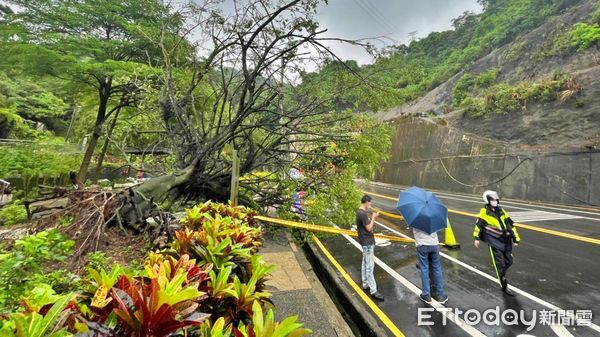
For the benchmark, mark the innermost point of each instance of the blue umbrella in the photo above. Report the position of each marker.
(422, 210)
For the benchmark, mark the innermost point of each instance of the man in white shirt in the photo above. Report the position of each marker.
(428, 251)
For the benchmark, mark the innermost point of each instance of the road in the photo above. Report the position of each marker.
(556, 268)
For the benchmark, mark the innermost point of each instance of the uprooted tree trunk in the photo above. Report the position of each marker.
(160, 187)
(191, 183)
(95, 212)
(132, 212)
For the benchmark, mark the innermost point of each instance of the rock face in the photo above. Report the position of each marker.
(44, 208)
(14, 233)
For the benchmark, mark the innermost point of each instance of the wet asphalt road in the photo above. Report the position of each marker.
(549, 272)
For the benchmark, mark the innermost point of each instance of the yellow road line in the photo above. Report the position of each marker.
(327, 229)
(390, 215)
(557, 233)
(472, 215)
(382, 316)
(381, 195)
(532, 228)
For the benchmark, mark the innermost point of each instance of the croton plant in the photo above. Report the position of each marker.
(210, 283)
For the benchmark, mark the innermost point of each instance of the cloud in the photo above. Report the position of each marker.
(392, 19)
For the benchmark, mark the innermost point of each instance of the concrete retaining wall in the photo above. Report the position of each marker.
(434, 156)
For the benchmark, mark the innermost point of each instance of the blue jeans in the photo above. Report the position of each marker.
(429, 257)
(367, 265)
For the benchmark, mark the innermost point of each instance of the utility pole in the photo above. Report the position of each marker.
(280, 103)
(235, 177)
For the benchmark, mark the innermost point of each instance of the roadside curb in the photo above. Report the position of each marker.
(361, 321)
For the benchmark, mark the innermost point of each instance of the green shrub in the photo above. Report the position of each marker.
(467, 85)
(267, 326)
(473, 107)
(582, 35)
(13, 213)
(505, 98)
(24, 263)
(486, 78)
(97, 260)
(462, 88)
(219, 292)
(31, 323)
(62, 281)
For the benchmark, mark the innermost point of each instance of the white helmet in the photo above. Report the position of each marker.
(490, 194)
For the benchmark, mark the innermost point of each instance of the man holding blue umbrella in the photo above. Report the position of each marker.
(426, 215)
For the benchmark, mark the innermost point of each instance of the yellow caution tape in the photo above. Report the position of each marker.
(327, 229)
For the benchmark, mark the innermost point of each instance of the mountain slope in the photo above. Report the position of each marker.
(542, 58)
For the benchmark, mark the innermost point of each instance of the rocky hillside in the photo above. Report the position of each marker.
(542, 89)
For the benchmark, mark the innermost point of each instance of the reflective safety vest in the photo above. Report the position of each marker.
(494, 226)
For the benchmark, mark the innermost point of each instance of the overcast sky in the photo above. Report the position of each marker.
(356, 19)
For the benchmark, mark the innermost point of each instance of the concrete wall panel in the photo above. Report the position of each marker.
(434, 156)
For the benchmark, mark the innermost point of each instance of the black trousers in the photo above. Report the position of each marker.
(502, 260)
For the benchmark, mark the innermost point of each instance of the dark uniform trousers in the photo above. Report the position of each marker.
(502, 259)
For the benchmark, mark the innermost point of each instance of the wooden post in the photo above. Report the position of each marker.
(235, 178)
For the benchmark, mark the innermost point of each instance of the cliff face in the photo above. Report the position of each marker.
(570, 124)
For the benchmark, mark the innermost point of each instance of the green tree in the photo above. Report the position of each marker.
(102, 45)
(21, 100)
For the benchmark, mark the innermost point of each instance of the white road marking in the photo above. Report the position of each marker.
(436, 305)
(530, 216)
(560, 330)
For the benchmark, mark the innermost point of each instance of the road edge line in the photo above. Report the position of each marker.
(380, 314)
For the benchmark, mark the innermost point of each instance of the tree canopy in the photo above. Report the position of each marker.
(99, 46)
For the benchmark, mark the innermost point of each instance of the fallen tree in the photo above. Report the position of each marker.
(240, 98)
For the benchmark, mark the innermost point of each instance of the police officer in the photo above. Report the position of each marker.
(495, 227)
